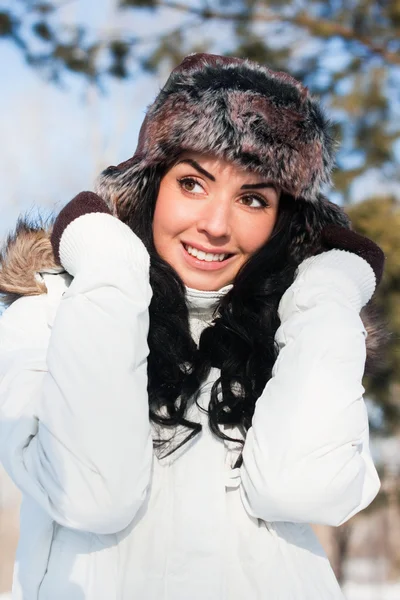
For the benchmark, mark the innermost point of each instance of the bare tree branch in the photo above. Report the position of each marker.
(320, 27)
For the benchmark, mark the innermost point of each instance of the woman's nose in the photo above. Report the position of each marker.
(215, 219)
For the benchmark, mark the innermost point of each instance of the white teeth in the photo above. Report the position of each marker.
(191, 250)
(207, 256)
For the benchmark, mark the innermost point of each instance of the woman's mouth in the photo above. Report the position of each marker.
(205, 260)
(206, 256)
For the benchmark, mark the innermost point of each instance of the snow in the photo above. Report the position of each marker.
(352, 591)
(367, 591)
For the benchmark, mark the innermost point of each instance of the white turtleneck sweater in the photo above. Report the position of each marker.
(201, 306)
(102, 516)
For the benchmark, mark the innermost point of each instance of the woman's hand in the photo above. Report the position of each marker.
(82, 204)
(334, 236)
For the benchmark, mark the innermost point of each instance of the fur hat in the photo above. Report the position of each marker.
(236, 109)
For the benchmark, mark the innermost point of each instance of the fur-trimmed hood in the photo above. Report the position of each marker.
(28, 252)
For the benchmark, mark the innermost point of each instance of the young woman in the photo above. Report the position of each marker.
(182, 357)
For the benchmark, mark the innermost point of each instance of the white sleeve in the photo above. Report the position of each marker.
(75, 432)
(306, 457)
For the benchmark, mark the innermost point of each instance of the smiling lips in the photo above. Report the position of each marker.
(207, 261)
(206, 256)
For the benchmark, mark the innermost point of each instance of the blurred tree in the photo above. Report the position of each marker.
(348, 51)
(379, 219)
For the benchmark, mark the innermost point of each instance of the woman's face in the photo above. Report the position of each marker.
(210, 217)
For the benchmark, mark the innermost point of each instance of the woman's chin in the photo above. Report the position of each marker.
(204, 283)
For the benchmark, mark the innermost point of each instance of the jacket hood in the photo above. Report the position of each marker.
(28, 252)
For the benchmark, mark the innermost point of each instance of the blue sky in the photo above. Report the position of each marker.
(55, 142)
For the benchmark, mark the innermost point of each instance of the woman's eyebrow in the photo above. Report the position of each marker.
(258, 186)
(246, 186)
(198, 168)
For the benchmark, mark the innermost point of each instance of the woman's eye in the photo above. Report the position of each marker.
(254, 201)
(190, 185)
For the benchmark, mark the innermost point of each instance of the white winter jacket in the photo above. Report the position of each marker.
(102, 517)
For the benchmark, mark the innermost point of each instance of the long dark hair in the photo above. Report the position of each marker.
(240, 341)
